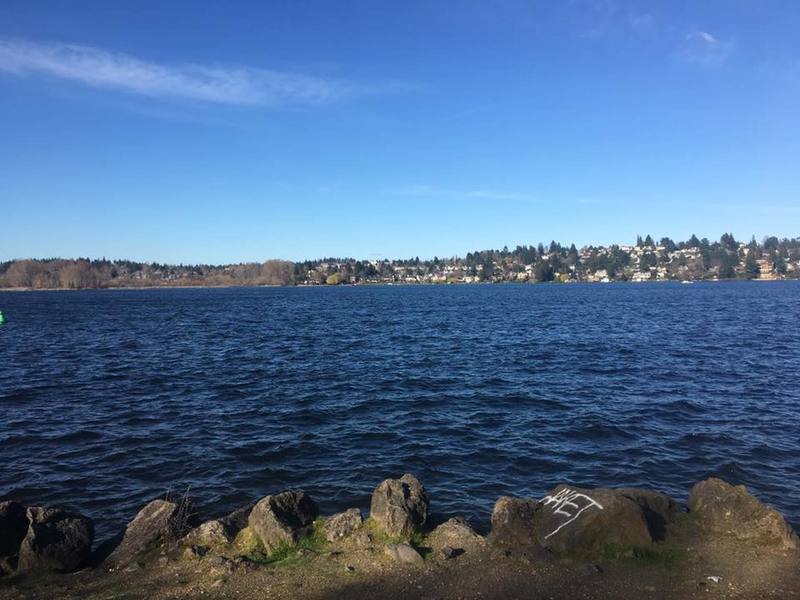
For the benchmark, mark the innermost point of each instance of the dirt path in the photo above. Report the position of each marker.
(682, 570)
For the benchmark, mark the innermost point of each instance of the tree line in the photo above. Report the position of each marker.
(84, 273)
(725, 258)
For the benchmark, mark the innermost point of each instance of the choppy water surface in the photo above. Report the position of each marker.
(110, 398)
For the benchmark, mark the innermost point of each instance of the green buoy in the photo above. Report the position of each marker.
(2, 318)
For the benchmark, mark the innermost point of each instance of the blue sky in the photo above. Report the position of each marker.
(180, 132)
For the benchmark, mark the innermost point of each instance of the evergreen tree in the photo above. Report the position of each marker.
(647, 260)
(728, 242)
(780, 264)
(669, 245)
(572, 255)
(751, 270)
(488, 269)
(754, 248)
(727, 267)
(543, 271)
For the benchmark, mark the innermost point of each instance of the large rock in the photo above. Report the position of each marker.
(512, 522)
(581, 521)
(659, 510)
(404, 553)
(457, 534)
(576, 520)
(56, 540)
(343, 524)
(400, 506)
(220, 531)
(282, 518)
(720, 508)
(159, 522)
(209, 533)
(13, 527)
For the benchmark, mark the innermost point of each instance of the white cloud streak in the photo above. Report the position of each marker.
(245, 86)
(704, 49)
(703, 36)
(427, 191)
(642, 24)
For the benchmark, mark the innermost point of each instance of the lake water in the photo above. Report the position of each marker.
(111, 398)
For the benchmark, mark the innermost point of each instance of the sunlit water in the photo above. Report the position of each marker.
(111, 398)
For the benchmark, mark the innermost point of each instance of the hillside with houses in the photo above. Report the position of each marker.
(646, 260)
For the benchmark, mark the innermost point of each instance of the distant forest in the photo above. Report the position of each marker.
(694, 259)
(84, 273)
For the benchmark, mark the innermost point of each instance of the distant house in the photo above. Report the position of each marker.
(766, 269)
(601, 275)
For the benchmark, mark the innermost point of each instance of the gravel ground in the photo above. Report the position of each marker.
(685, 569)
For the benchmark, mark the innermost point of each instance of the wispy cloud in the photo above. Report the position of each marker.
(596, 17)
(604, 19)
(641, 23)
(235, 85)
(601, 18)
(704, 49)
(427, 191)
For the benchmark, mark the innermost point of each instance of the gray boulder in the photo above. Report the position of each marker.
(400, 506)
(8, 565)
(13, 527)
(513, 522)
(220, 531)
(720, 508)
(56, 540)
(582, 521)
(343, 524)
(159, 522)
(209, 533)
(454, 535)
(404, 553)
(660, 511)
(363, 538)
(237, 520)
(282, 518)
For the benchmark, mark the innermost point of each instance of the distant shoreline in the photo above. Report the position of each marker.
(646, 261)
(393, 284)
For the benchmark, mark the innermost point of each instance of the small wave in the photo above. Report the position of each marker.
(732, 472)
(17, 396)
(680, 407)
(718, 438)
(81, 435)
(20, 439)
(598, 431)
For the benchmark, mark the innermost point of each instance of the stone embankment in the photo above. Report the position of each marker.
(720, 523)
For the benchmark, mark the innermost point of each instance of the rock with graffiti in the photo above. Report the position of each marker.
(572, 519)
(585, 521)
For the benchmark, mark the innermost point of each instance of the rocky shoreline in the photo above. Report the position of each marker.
(602, 542)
